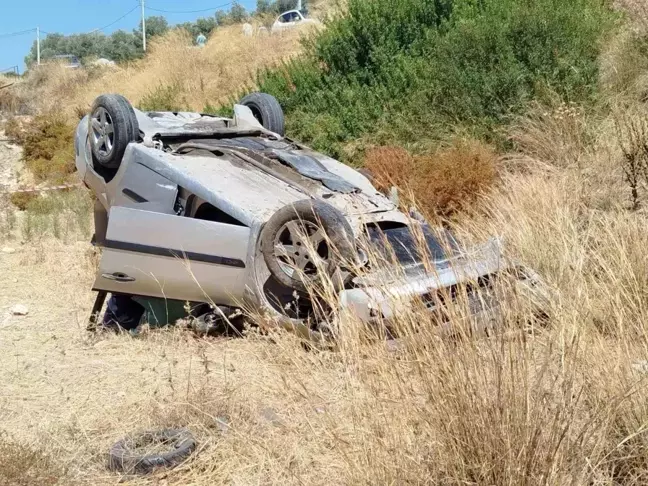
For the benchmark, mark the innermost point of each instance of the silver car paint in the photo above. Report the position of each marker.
(173, 276)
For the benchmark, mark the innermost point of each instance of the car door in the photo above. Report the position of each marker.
(163, 255)
(139, 187)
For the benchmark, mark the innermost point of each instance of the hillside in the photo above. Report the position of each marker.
(175, 74)
(537, 135)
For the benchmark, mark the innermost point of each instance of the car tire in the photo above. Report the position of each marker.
(339, 251)
(267, 110)
(124, 456)
(112, 125)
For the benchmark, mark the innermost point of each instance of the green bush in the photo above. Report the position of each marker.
(164, 98)
(402, 70)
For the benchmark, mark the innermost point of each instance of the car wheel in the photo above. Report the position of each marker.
(307, 243)
(266, 110)
(112, 126)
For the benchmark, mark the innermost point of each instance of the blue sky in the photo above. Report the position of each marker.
(75, 16)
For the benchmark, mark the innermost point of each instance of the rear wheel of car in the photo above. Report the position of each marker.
(112, 126)
(307, 244)
(266, 110)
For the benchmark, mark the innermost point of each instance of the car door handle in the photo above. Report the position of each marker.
(118, 277)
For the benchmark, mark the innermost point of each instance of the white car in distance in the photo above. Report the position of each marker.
(291, 19)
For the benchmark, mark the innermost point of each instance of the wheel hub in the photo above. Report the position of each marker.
(103, 132)
(301, 246)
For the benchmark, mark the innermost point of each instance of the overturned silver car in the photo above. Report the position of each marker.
(229, 212)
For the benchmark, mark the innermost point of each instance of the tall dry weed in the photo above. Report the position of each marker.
(632, 135)
(554, 134)
(552, 404)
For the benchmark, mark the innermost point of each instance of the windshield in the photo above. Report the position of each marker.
(402, 243)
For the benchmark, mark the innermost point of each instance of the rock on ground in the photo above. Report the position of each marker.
(20, 310)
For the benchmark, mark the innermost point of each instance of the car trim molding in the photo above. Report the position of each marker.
(169, 252)
(133, 195)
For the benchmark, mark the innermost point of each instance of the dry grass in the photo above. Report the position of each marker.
(557, 134)
(637, 12)
(199, 78)
(22, 465)
(443, 183)
(562, 405)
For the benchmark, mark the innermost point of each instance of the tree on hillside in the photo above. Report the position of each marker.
(238, 13)
(222, 17)
(201, 26)
(122, 47)
(206, 25)
(83, 46)
(284, 5)
(264, 7)
(268, 7)
(155, 26)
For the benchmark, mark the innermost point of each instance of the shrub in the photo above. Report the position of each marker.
(22, 199)
(8, 100)
(22, 465)
(48, 146)
(632, 135)
(14, 129)
(442, 183)
(432, 67)
(164, 98)
(62, 214)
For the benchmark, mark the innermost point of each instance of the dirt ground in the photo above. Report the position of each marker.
(72, 394)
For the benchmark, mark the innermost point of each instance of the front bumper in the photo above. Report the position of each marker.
(473, 307)
(476, 310)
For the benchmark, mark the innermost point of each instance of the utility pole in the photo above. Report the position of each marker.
(299, 5)
(143, 26)
(38, 46)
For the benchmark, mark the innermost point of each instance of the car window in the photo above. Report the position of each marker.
(404, 245)
(209, 212)
(290, 17)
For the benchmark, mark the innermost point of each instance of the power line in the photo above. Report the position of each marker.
(114, 22)
(100, 28)
(190, 11)
(14, 34)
